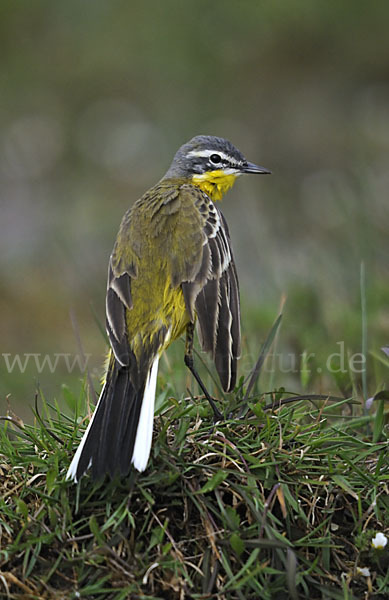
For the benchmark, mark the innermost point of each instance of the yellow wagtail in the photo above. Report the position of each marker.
(172, 263)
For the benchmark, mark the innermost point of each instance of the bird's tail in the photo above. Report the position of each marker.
(121, 428)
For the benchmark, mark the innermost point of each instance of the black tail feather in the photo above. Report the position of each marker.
(110, 441)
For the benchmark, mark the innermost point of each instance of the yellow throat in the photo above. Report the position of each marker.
(215, 183)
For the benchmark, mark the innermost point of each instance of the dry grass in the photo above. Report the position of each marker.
(280, 504)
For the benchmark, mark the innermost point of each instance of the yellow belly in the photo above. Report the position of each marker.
(158, 310)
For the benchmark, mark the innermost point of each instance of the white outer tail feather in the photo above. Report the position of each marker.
(72, 470)
(144, 433)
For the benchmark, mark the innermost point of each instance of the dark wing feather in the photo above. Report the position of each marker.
(121, 270)
(207, 309)
(223, 342)
(213, 294)
(235, 309)
(118, 300)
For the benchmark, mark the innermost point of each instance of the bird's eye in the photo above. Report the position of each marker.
(215, 159)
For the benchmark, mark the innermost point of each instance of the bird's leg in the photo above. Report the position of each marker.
(190, 364)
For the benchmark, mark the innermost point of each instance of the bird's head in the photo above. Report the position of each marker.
(211, 163)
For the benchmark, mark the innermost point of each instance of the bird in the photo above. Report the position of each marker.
(172, 267)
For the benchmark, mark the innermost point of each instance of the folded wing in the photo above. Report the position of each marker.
(213, 294)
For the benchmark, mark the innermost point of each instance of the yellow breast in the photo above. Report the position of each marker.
(215, 183)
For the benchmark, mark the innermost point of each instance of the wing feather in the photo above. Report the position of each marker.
(223, 349)
(118, 300)
(213, 294)
(207, 310)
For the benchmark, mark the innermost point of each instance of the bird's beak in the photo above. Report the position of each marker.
(252, 168)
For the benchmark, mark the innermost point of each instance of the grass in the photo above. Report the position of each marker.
(282, 503)
(279, 501)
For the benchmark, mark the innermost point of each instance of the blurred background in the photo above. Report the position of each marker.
(96, 97)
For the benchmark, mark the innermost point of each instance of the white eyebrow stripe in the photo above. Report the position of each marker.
(208, 153)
